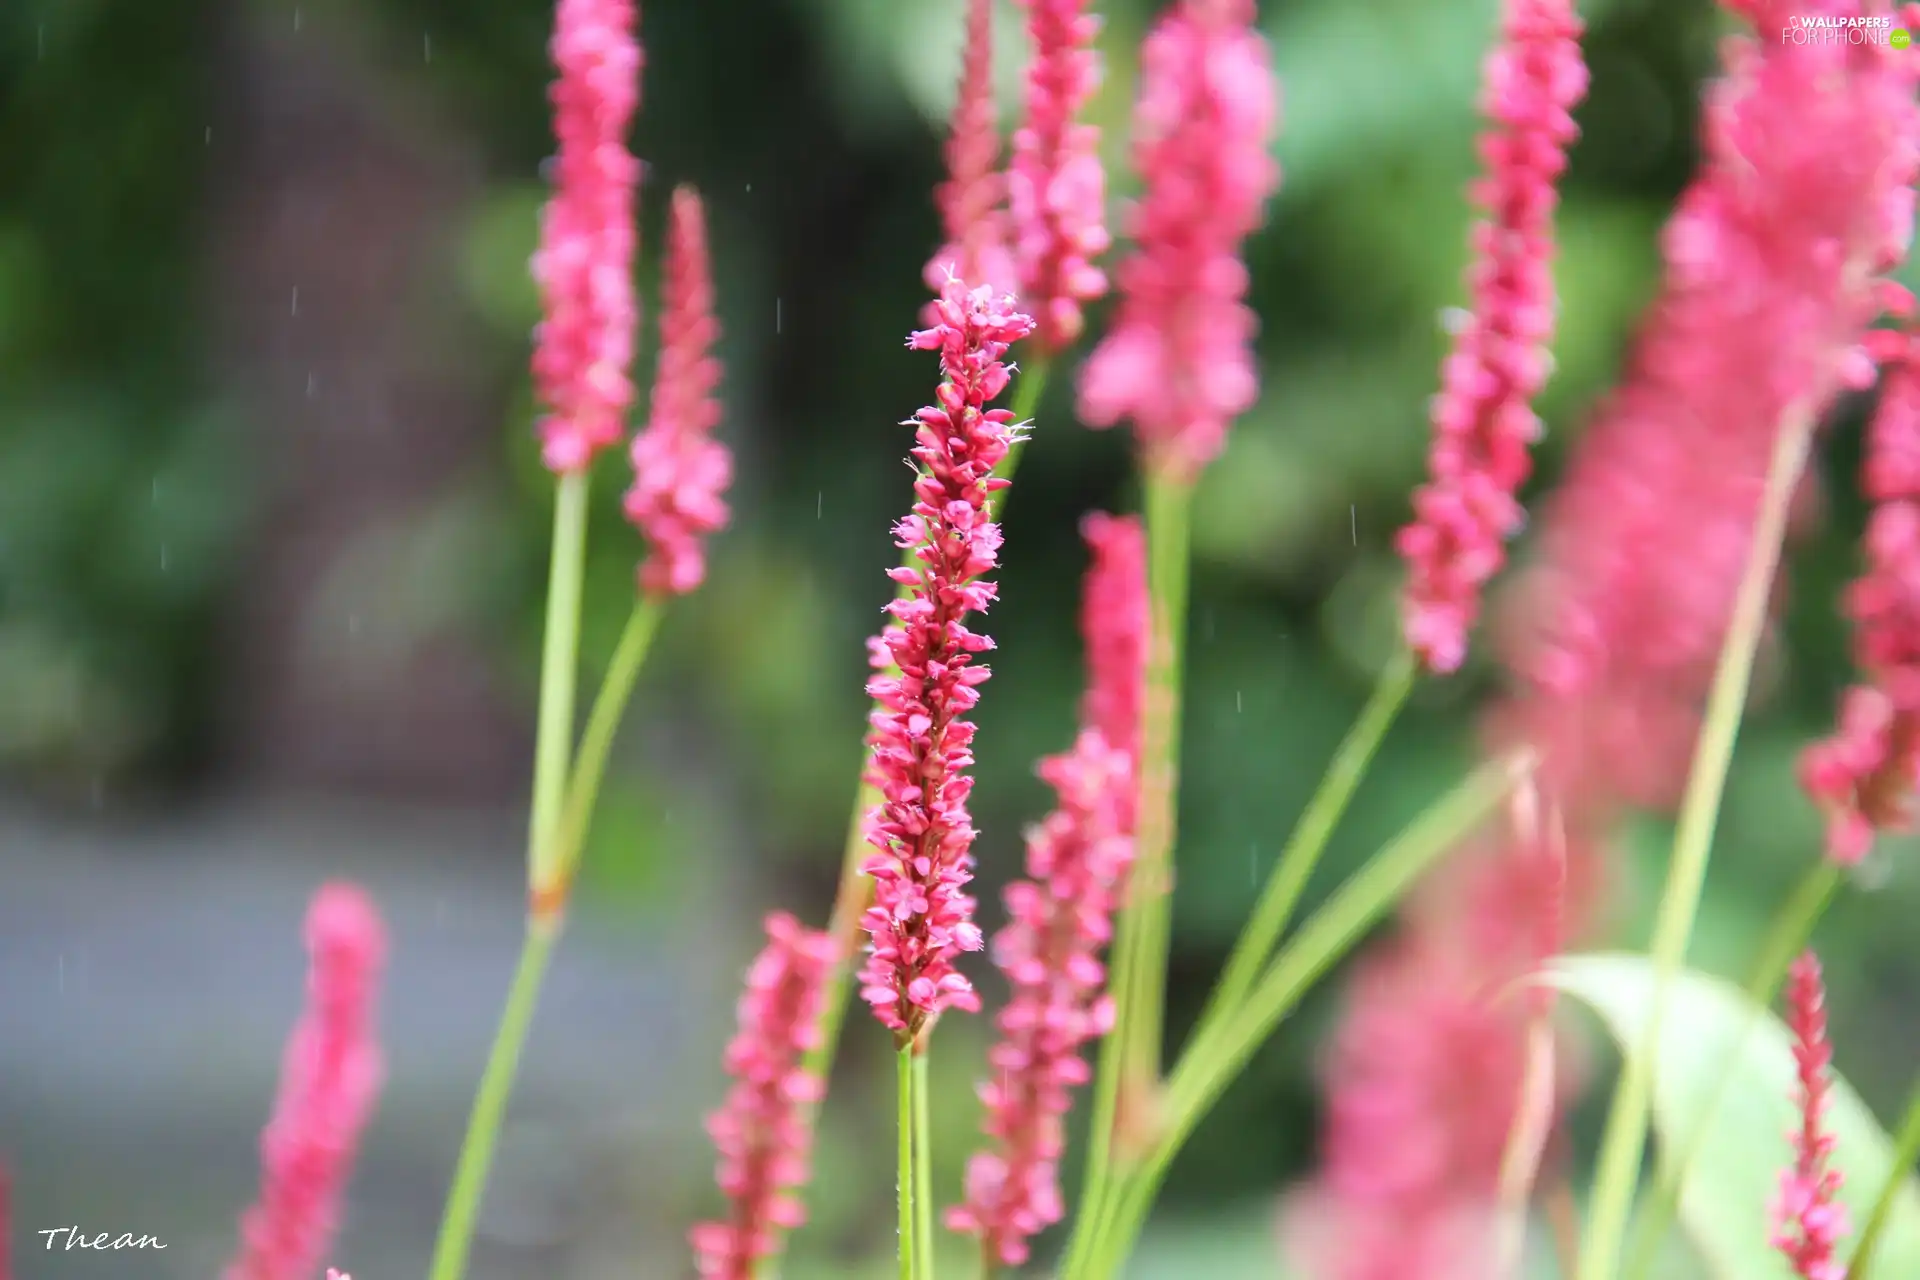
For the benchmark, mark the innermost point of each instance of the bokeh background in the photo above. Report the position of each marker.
(272, 559)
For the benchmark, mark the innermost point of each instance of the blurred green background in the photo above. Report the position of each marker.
(272, 556)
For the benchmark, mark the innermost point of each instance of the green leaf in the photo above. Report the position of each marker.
(1711, 1039)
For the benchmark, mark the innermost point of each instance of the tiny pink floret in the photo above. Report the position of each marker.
(763, 1131)
(927, 681)
(1178, 360)
(680, 472)
(1483, 418)
(328, 1085)
(1061, 919)
(583, 348)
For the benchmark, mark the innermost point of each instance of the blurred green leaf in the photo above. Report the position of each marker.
(1704, 1046)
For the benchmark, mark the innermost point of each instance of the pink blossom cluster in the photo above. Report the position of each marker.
(1865, 774)
(927, 683)
(763, 1130)
(1056, 187)
(1483, 418)
(584, 266)
(1808, 1221)
(1804, 201)
(972, 201)
(1061, 918)
(1178, 360)
(328, 1086)
(679, 471)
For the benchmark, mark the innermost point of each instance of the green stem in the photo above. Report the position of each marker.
(590, 765)
(490, 1105)
(1309, 839)
(903, 1173)
(1906, 1149)
(558, 663)
(922, 1164)
(1169, 529)
(1209, 1065)
(1624, 1138)
(1786, 937)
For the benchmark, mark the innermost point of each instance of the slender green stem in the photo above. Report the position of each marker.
(559, 661)
(1786, 937)
(1309, 839)
(1906, 1149)
(903, 1173)
(1209, 1065)
(1169, 529)
(1624, 1139)
(490, 1105)
(590, 765)
(922, 1163)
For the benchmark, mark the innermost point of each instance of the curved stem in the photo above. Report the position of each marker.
(1209, 1065)
(1624, 1139)
(1786, 938)
(559, 660)
(1290, 874)
(490, 1104)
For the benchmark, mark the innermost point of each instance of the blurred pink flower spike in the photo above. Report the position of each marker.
(328, 1086)
(680, 472)
(1808, 1221)
(1061, 918)
(1483, 418)
(583, 348)
(972, 200)
(762, 1131)
(1178, 359)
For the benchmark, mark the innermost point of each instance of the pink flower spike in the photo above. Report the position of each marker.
(921, 743)
(679, 471)
(1056, 186)
(1483, 419)
(1865, 775)
(1061, 918)
(1808, 1220)
(583, 348)
(337, 1275)
(763, 1130)
(1178, 360)
(972, 201)
(328, 1086)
